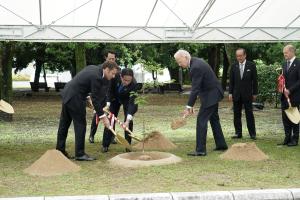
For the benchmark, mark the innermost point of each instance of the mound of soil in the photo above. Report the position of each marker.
(155, 140)
(52, 163)
(244, 151)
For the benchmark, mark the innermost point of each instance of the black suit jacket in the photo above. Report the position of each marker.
(292, 83)
(122, 94)
(246, 87)
(204, 84)
(88, 80)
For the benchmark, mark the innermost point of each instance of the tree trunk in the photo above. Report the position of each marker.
(218, 59)
(212, 57)
(6, 77)
(38, 69)
(225, 68)
(1, 70)
(80, 56)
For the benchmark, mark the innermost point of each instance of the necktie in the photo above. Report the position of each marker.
(120, 88)
(241, 70)
(288, 65)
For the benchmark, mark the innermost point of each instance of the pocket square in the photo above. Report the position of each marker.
(248, 70)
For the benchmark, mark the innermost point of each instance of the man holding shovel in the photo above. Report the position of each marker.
(91, 79)
(291, 91)
(120, 94)
(205, 85)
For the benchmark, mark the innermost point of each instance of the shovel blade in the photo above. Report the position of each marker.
(293, 114)
(177, 123)
(6, 107)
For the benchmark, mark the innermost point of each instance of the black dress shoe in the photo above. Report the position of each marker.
(220, 148)
(253, 137)
(127, 150)
(91, 139)
(236, 137)
(85, 157)
(197, 154)
(67, 155)
(104, 149)
(292, 143)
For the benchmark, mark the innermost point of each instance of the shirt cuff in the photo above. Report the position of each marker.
(107, 104)
(100, 117)
(129, 117)
(189, 107)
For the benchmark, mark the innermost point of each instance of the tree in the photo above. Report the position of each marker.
(6, 62)
(80, 58)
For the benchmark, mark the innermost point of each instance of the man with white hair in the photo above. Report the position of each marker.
(205, 85)
(291, 73)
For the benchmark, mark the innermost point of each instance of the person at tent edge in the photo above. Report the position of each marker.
(90, 79)
(291, 89)
(207, 86)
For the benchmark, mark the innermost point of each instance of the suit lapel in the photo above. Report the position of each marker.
(245, 69)
(293, 65)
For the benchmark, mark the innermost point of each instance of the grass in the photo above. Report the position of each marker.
(34, 128)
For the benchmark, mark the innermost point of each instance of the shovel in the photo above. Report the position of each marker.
(177, 123)
(6, 107)
(124, 127)
(120, 139)
(292, 113)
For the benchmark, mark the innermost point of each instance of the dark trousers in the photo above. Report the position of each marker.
(94, 126)
(237, 115)
(73, 110)
(211, 114)
(291, 130)
(107, 134)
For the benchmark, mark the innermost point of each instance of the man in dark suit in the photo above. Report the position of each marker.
(291, 73)
(120, 94)
(206, 85)
(91, 79)
(109, 56)
(243, 91)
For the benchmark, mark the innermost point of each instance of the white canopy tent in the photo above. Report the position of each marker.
(207, 21)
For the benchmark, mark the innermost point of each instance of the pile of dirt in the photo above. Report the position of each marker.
(155, 140)
(244, 151)
(52, 163)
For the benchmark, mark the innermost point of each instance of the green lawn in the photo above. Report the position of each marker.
(34, 128)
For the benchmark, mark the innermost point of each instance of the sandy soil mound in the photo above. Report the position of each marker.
(155, 140)
(52, 163)
(244, 151)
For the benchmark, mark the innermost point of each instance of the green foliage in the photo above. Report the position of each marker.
(59, 56)
(267, 81)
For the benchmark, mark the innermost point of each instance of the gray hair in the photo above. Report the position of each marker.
(182, 53)
(291, 48)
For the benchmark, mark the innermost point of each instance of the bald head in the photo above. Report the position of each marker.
(182, 58)
(289, 52)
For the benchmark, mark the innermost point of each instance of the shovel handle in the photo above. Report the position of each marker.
(113, 131)
(122, 125)
(289, 101)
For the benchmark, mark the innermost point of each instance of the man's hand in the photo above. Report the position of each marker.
(105, 122)
(188, 111)
(286, 93)
(126, 124)
(254, 97)
(230, 97)
(89, 102)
